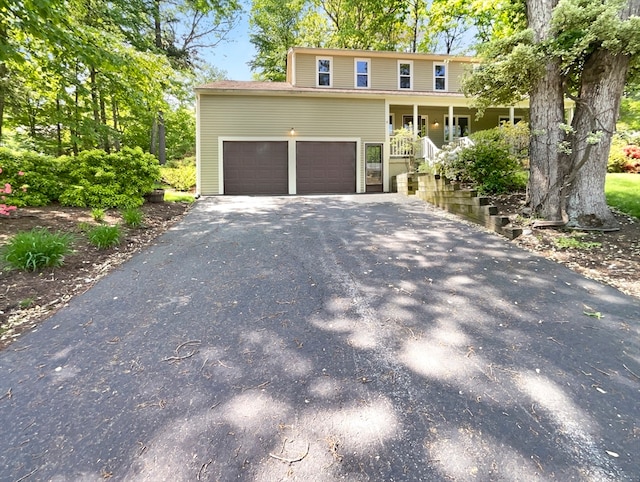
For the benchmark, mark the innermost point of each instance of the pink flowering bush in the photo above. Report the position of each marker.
(5, 191)
(34, 178)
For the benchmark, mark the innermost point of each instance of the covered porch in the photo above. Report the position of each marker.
(433, 123)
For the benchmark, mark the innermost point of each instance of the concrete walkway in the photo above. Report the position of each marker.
(328, 338)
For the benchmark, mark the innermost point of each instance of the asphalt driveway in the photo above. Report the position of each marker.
(328, 338)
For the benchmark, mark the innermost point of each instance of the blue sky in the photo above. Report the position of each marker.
(232, 56)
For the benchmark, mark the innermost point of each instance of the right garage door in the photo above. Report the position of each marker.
(325, 167)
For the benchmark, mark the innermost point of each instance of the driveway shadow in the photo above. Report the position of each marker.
(328, 338)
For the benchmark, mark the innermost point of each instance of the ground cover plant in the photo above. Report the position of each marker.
(132, 217)
(28, 297)
(104, 236)
(36, 249)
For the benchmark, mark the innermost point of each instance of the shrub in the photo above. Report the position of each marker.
(180, 176)
(488, 164)
(38, 248)
(617, 157)
(98, 179)
(631, 151)
(35, 178)
(105, 236)
(132, 217)
(517, 138)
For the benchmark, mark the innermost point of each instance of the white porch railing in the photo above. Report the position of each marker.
(401, 146)
(463, 142)
(428, 150)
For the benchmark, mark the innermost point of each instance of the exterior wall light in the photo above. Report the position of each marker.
(292, 131)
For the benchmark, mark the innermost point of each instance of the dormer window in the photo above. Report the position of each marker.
(439, 76)
(405, 74)
(362, 71)
(324, 66)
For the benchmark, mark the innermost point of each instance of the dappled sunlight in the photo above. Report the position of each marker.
(325, 387)
(356, 334)
(461, 281)
(436, 360)
(237, 427)
(569, 419)
(272, 351)
(361, 425)
(330, 442)
(329, 338)
(240, 204)
(468, 453)
(254, 412)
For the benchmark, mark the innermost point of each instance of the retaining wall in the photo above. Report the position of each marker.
(462, 202)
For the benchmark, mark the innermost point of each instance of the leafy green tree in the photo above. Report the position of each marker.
(275, 27)
(583, 50)
(364, 24)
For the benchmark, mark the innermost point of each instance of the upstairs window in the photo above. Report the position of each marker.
(362, 80)
(405, 74)
(439, 77)
(324, 72)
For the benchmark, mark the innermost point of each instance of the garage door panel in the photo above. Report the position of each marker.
(255, 167)
(325, 167)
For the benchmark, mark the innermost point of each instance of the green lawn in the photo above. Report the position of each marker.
(178, 196)
(623, 193)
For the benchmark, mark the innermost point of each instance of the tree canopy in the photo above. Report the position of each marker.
(81, 74)
(442, 26)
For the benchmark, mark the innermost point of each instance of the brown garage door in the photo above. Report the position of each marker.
(326, 167)
(255, 167)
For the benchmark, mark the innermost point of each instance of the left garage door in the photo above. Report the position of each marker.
(255, 167)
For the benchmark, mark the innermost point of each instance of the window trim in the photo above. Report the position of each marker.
(505, 118)
(410, 64)
(318, 59)
(445, 126)
(356, 74)
(445, 77)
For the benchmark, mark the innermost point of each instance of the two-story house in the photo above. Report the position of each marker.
(329, 128)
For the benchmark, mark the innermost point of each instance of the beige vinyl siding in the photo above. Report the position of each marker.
(274, 116)
(207, 146)
(384, 73)
(457, 71)
(491, 117)
(343, 72)
(423, 76)
(305, 70)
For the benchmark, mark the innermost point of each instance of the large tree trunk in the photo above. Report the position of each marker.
(597, 109)
(546, 114)
(602, 85)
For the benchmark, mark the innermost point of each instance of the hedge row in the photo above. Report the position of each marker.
(91, 179)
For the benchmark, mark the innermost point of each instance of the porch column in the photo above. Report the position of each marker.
(386, 150)
(571, 112)
(415, 120)
(512, 116)
(450, 124)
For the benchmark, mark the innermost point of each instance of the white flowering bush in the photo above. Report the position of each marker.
(448, 162)
(488, 164)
